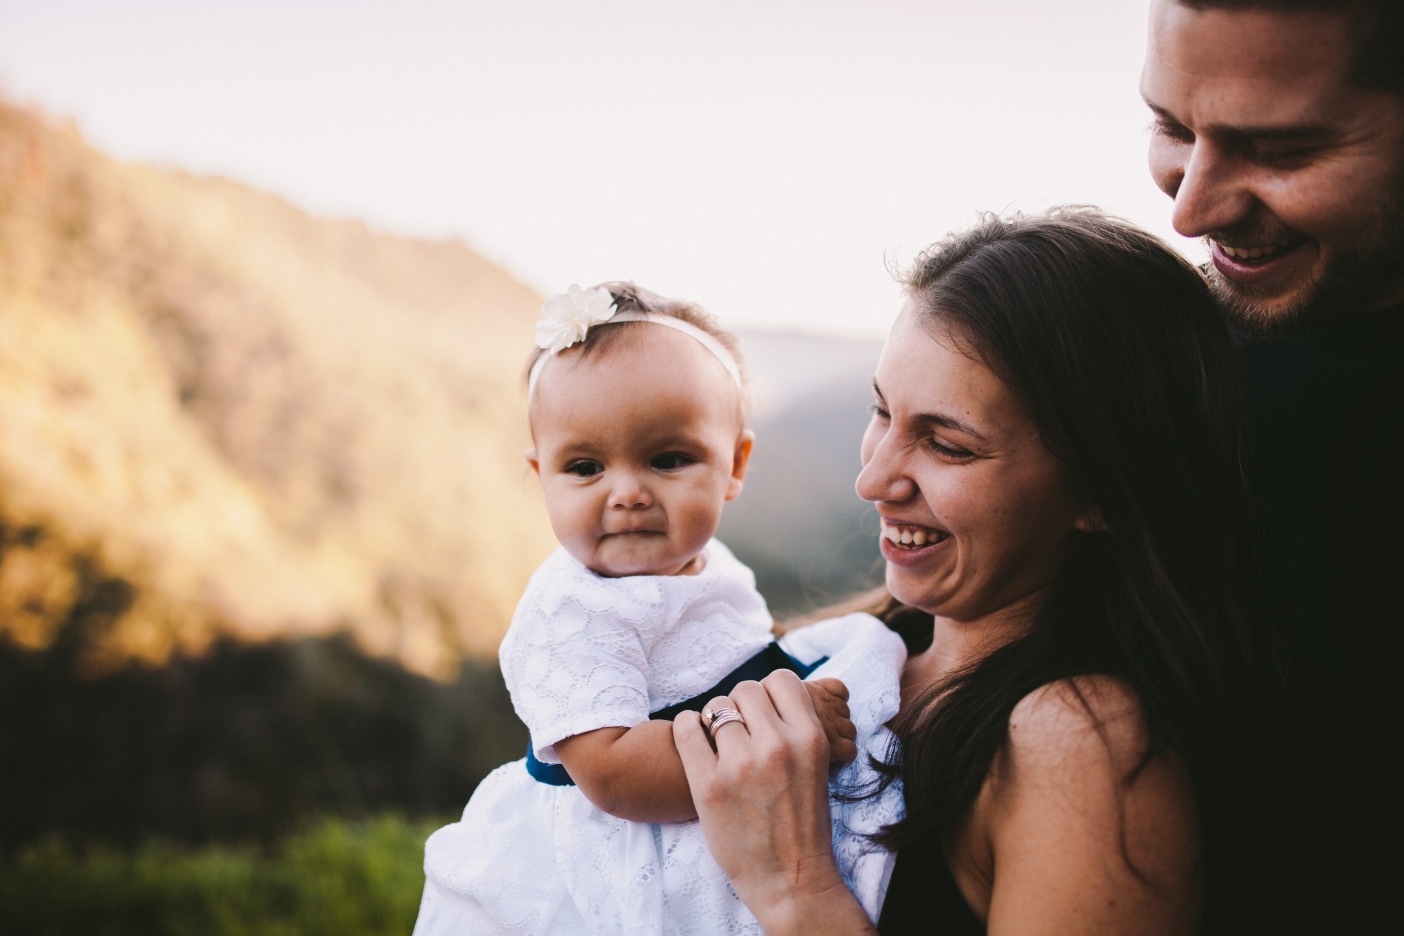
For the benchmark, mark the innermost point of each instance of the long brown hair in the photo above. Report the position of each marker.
(1114, 345)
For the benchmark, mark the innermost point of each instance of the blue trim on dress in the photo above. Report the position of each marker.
(764, 663)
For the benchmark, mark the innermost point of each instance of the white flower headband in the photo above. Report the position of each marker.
(566, 318)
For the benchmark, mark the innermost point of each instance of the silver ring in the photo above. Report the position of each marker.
(715, 718)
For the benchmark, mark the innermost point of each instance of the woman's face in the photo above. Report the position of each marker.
(977, 515)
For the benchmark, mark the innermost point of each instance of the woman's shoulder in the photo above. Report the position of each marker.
(1083, 738)
(1094, 711)
(1083, 807)
(1083, 762)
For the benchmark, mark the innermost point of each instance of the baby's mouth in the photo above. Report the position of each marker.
(906, 536)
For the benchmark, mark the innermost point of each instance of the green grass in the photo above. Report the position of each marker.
(338, 877)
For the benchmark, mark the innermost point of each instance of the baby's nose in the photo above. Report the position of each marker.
(629, 492)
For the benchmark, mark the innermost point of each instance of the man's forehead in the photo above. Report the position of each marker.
(1278, 67)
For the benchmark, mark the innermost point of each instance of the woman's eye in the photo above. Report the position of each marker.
(584, 469)
(879, 413)
(670, 461)
(949, 451)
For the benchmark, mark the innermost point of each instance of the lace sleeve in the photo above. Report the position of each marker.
(576, 656)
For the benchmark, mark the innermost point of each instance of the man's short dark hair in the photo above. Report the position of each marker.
(1378, 27)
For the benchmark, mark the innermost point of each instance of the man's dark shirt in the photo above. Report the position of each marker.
(1326, 463)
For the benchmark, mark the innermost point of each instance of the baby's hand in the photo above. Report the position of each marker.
(830, 698)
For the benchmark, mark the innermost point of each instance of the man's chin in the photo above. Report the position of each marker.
(1343, 293)
(1275, 316)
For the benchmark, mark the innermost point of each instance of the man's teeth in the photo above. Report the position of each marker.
(909, 536)
(1252, 253)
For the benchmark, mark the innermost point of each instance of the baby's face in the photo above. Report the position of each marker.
(637, 449)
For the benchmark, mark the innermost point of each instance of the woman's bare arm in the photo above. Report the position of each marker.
(1077, 839)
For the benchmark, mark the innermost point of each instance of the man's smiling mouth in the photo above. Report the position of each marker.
(1256, 253)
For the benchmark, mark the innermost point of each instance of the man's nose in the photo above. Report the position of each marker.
(1214, 192)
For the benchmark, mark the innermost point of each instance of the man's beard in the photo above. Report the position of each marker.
(1352, 283)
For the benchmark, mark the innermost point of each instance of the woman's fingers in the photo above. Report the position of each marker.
(690, 738)
(790, 699)
(722, 716)
(762, 796)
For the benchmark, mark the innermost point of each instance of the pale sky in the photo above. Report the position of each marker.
(765, 159)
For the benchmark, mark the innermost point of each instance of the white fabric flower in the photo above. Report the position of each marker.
(567, 316)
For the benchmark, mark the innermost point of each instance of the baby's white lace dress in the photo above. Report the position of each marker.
(586, 652)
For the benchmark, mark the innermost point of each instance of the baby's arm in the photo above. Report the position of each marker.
(633, 773)
(636, 774)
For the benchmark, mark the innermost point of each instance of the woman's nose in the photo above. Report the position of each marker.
(883, 477)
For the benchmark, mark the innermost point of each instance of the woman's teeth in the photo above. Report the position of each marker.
(910, 536)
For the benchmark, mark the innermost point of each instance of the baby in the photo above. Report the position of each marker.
(637, 409)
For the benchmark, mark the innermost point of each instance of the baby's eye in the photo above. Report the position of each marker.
(584, 469)
(670, 461)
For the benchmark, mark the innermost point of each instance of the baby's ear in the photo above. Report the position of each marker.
(739, 461)
(531, 460)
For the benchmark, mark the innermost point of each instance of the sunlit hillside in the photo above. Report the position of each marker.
(221, 415)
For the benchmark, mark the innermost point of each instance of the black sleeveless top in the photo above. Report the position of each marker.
(922, 897)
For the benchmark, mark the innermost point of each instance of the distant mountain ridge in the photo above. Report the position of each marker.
(224, 416)
(258, 421)
(798, 522)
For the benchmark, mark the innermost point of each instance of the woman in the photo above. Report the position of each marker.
(1053, 455)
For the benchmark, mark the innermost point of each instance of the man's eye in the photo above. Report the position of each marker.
(1172, 131)
(584, 469)
(1280, 156)
(670, 461)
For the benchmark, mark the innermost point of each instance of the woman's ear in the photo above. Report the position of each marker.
(531, 460)
(739, 461)
(1091, 521)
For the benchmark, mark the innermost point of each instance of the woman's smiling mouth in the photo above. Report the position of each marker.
(907, 536)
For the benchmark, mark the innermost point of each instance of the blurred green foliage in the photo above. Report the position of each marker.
(246, 743)
(337, 877)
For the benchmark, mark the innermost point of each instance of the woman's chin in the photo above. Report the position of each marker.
(908, 589)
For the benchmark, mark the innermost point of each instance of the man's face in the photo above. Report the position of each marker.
(1293, 175)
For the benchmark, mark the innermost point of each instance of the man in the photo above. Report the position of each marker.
(1279, 133)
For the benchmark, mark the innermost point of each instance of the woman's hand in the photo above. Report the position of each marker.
(762, 798)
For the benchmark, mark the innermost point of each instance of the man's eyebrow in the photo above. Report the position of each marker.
(1156, 109)
(1303, 131)
(936, 419)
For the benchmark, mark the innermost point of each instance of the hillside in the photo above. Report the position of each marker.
(223, 416)
(798, 523)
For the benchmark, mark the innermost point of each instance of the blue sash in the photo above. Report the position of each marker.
(769, 660)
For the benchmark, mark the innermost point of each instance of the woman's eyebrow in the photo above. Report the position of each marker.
(935, 419)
